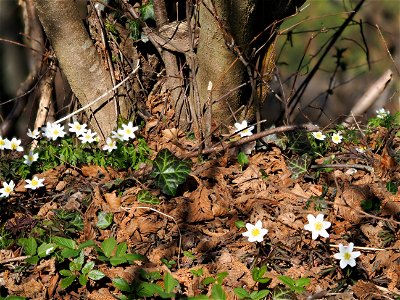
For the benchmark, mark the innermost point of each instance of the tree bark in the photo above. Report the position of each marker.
(79, 60)
(227, 33)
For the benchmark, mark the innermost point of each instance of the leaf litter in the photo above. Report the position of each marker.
(201, 220)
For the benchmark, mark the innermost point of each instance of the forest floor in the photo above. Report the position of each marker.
(197, 235)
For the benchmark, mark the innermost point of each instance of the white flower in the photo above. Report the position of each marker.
(30, 158)
(319, 135)
(116, 136)
(88, 137)
(361, 149)
(7, 189)
(110, 145)
(347, 256)
(337, 138)
(382, 113)
(33, 134)
(14, 144)
(78, 128)
(243, 130)
(53, 131)
(317, 226)
(127, 131)
(35, 183)
(3, 143)
(255, 233)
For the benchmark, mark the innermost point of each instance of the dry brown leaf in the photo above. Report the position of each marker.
(349, 201)
(199, 207)
(113, 201)
(366, 290)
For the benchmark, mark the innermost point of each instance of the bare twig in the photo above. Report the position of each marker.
(227, 145)
(347, 166)
(14, 259)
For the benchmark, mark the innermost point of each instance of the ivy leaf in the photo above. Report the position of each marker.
(104, 219)
(299, 165)
(169, 172)
(144, 196)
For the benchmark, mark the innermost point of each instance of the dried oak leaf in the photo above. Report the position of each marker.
(349, 202)
(199, 206)
(113, 201)
(366, 290)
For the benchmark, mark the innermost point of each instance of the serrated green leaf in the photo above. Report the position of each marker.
(121, 249)
(88, 267)
(83, 280)
(131, 257)
(217, 292)
(63, 242)
(169, 283)
(144, 196)
(67, 253)
(169, 172)
(208, 280)
(304, 281)
(46, 249)
(147, 11)
(145, 289)
(117, 260)
(287, 281)
(88, 243)
(240, 224)
(67, 281)
(241, 293)
(29, 245)
(104, 219)
(33, 260)
(121, 284)
(258, 295)
(77, 263)
(108, 246)
(221, 276)
(96, 275)
(189, 254)
(299, 165)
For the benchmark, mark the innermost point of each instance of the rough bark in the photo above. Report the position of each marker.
(225, 44)
(79, 60)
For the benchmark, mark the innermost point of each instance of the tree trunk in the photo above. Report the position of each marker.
(227, 38)
(79, 60)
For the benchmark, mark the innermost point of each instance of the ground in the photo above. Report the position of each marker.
(197, 234)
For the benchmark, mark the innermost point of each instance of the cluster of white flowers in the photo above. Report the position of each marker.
(125, 133)
(336, 137)
(318, 227)
(14, 144)
(382, 113)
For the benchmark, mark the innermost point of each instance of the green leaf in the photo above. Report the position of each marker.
(242, 158)
(258, 295)
(67, 253)
(121, 284)
(240, 224)
(33, 260)
(170, 283)
(199, 297)
(29, 245)
(83, 280)
(14, 298)
(88, 267)
(63, 242)
(88, 243)
(131, 257)
(117, 260)
(258, 273)
(221, 276)
(287, 281)
(144, 196)
(134, 28)
(96, 275)
(189, 254)
(147, 11)
(145, 289)
(217, 292)
(304, 281)
(108, 246)
(299, 165)
(392, 187)
(104, 219)
(77, 263)
(198, 272)
(169, 172)
(46, 249)
(241, 293)
(67, 281)
(121, 249)
(66, 273)
(208, 280)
